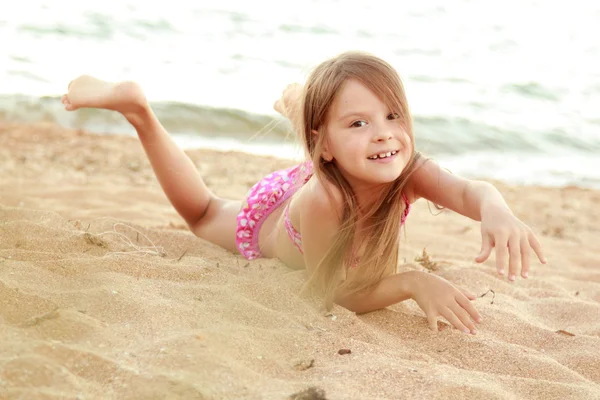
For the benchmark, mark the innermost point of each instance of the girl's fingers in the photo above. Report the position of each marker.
(463, 316)
(469, 307)
(514, 262)
(535, 245)
(469, 295)
(501, 244)
(525, 257)
(486, 248)
(432, 322)
(454, 320)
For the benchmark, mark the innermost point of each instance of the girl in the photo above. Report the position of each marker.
(339, 213)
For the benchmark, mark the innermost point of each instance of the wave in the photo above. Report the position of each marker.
(456, 135)
(435, 135)
(182, 118)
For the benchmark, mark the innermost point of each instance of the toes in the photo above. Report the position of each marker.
(67, 103)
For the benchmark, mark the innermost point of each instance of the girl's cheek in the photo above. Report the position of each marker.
(406, 139)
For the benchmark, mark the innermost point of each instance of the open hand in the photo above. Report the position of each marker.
(438, 297)
(514, 241)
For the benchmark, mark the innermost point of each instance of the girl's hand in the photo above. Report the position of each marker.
(438, 297)
(512, 239)
(289, 102)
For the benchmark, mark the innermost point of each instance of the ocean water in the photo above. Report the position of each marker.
(505, 90)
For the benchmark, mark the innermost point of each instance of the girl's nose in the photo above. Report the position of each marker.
(382, 136)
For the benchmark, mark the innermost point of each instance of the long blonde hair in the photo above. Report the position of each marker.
(382, 220)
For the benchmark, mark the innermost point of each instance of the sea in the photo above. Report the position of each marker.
(506, 90)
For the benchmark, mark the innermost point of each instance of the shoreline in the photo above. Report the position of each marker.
(470, 147)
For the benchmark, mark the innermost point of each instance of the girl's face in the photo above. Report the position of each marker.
(365, 137)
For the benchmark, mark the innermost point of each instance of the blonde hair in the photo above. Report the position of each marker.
(382, 220)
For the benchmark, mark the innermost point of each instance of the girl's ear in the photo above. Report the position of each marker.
(327, 156)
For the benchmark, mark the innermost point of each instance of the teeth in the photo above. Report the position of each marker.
(383, 155)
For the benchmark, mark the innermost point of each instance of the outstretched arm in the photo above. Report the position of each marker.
(480, 201)
(467, 197)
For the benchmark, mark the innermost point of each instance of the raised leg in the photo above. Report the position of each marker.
(208, 216)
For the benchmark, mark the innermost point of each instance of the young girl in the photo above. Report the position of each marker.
(339, 213)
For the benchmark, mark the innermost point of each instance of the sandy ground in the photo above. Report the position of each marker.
(104, 294)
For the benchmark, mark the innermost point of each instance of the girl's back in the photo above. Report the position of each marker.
(277, 208)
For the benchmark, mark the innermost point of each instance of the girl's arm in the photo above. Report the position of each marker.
(435, 296)
(319, 223)
(513, 241)
(390, 290)
(470, 198)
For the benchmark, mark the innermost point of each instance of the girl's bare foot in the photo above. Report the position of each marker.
(89, 92)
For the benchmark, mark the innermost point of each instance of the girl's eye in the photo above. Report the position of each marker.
(393, 116)
(358, 124)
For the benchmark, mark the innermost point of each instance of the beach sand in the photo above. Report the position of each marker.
(104, 293)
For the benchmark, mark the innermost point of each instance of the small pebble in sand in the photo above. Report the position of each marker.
(344, 351)
(303, 365)
(330, 315)
(312, 393)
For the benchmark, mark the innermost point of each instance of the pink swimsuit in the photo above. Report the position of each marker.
(265, 197)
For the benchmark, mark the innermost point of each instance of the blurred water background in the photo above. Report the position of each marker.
(505, 90)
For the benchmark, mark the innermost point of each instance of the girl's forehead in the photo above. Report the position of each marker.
(354, 96)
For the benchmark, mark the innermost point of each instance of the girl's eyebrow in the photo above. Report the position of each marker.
(357, 114)
(351, 114)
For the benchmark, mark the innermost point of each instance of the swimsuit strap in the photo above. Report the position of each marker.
(406, 209)
(292, 232)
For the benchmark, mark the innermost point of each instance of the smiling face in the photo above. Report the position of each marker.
(365, 137)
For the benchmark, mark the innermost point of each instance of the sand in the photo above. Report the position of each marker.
(104, 294)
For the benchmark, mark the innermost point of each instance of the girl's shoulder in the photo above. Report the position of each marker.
(319, 208)
(320, 197)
